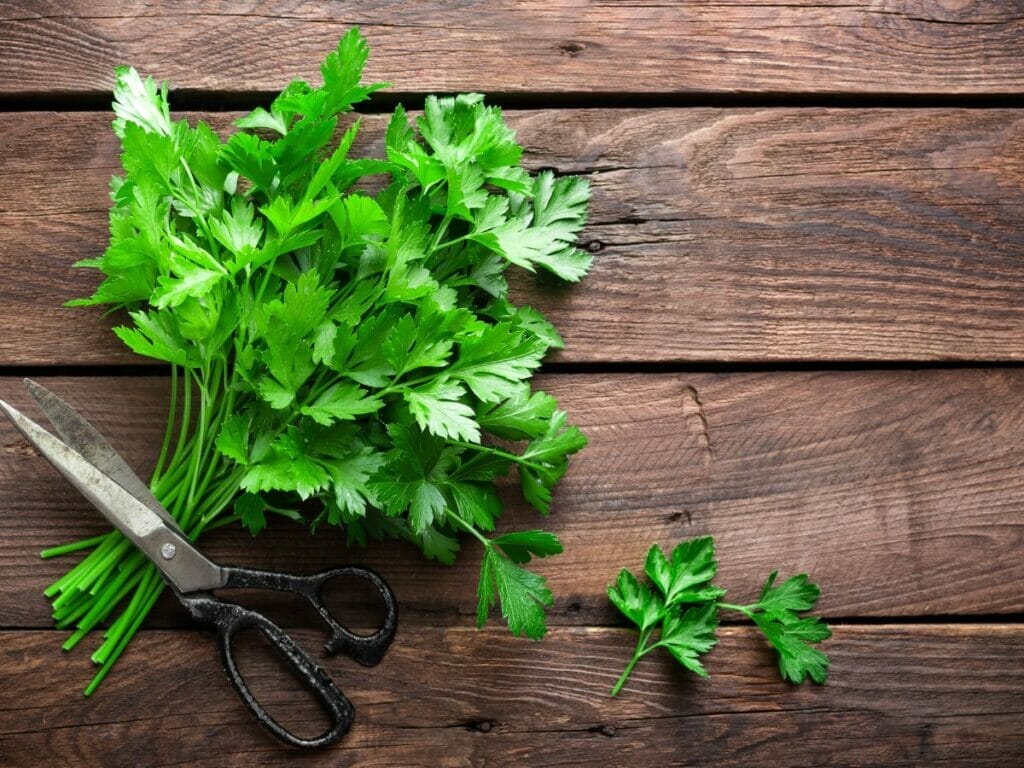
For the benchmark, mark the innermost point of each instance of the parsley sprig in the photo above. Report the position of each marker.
(681, 612)
(338, 329)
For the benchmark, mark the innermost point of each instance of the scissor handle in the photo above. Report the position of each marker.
(228, 619)
(368, 650)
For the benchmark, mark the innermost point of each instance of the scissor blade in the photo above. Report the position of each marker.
(78, 433)
(184, 566)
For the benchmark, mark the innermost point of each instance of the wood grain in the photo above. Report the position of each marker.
(900, 492)
(724, 235)
(897, 696)
(893, 46)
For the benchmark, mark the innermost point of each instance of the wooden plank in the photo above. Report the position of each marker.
(726, 235)
(894, 46)
(897, 695)
(900, 492)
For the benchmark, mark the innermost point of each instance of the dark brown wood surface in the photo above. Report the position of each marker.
(538, 46)
(794, 204)
(899, 695)
(722, 235)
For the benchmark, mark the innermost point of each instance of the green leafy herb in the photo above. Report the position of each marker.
(338, 328)
(680, 612)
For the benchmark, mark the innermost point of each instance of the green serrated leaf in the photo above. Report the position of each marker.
(249, 507)
(439, 409)
(523, 595)
(795, 594)
(233, 440)
(494, 363)
(522, 416)
(521, 546)
(342, 402)
(475, 503)
(686, 578)
(140, 102)
(798, 658)
(636, 601)
(689, 635)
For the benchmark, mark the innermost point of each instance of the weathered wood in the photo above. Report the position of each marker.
(55, 48)
(726, 235)
(899, 492)
(897, 695)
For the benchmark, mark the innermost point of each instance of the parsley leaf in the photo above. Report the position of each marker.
(683, 609)
(793, 637)
(521, 546)
(524, 595)
(440, 410)
(689, 635)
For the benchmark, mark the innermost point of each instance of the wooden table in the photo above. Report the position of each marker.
(802, 334)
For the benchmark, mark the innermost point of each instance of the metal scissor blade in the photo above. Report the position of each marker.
(184, 566)
(78, 433)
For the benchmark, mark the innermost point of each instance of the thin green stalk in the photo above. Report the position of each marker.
(102, 569)
(222, 497)
(169, 429)
(75, 546)
(198, 442)
(73, 576)
(129, 633)
(186, 416)
(744, 609)
(452, 242)
(497, 452)
(488, 544)
(442, 230)
(72, 615)
(223, 409)
(218, 523)
(116, 630)
(170, 484)
(637, 655)
(115, 592)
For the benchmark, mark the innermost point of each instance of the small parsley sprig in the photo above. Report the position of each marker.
(338, 329)
(681, 613)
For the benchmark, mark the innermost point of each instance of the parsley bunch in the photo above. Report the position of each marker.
(334, 339)
(684, 611)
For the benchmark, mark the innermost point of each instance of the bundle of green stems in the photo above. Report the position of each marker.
(196, 486)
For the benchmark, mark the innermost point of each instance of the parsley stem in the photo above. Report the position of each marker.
(169, 430)
(74, 546)
(186, 417)
(638, 654)
(746, 610)
(115, 652)
(496, 452)
(471, 529)
(453, 241)
(442, 229)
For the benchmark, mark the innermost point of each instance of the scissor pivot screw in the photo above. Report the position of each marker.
(168, 550)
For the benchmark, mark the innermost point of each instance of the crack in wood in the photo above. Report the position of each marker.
(694, 413)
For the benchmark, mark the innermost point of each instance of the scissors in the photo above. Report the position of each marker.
(85, 458)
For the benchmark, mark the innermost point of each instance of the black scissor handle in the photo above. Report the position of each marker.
(228, 619)
(366, 649)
